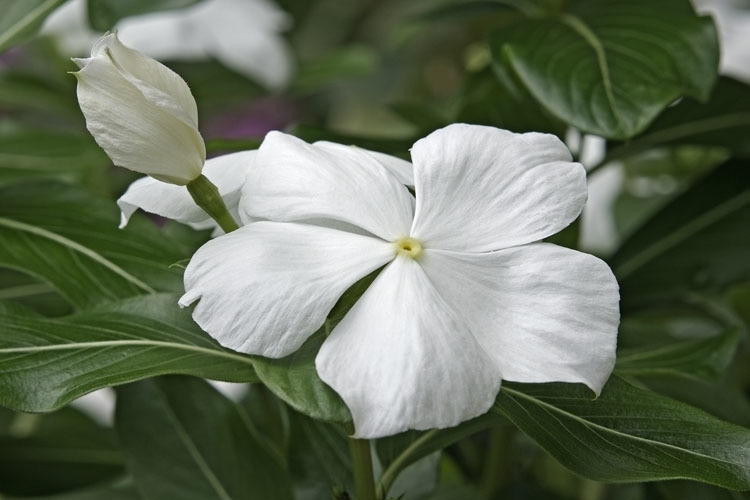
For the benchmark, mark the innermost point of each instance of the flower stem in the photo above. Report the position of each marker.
(495, 472)
(207, 196)
(364, 482)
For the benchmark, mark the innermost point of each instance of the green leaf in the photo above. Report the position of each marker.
(22, 18)
(30, 154)
(295, 380)
(492, 97)
(63, 236)
(610, 68)
(342, 64)
(724, 398)
(46, 363)
(396, 453)
(701, 358)
(31, 293)
(723, 121)
(182, 439)
(104, 14)
(124, 491)
(57, 452)
(697, 242)
(318, 458)
(628, 434)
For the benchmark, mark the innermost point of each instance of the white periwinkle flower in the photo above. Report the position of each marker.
(468, 295)
(140, 112)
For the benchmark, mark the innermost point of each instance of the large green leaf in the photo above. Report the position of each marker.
(57, 452)
(723, 121)
(611, 67)
(21, 19)
(46, 363)
(65, 237)
(702, 358)
(628, 434)
(182, 439)
(698, 241)
(104, 14)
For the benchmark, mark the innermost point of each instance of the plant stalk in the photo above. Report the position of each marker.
(364, 482)
(207, 196)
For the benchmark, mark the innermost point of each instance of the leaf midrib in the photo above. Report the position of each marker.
(124, 343)
(577, 25)
(193, 450)
(78, 248)
(609, 430)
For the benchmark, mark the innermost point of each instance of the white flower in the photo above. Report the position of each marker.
(468, 296)
(244, 35)
(226, 172)
(140, 112)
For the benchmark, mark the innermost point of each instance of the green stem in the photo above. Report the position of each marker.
(207, 196)
(495, 471)
(391, 473)
(273, 414)
(364, 482)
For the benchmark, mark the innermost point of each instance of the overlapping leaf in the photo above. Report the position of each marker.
(723, 121)
(69, 239)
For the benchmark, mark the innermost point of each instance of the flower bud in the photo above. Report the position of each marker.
(140, 112)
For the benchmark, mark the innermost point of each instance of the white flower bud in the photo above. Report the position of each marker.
(140, 112)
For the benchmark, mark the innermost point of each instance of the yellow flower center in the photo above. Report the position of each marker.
(408, 247)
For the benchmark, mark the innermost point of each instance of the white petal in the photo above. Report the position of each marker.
(227, 172)
(243, 35)
(266, 287)
(401, 359)
(544, 313)
(133, 131)
(162, 86)
(481, 188)
(293, 181)
(165, 35)
(401, 169)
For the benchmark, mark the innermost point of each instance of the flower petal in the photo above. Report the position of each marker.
(293, 181)
(149, 75)
(227, 172)
(266, 287)
(401, 358)
(481, 188)
(544, 313)
(399, 168)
